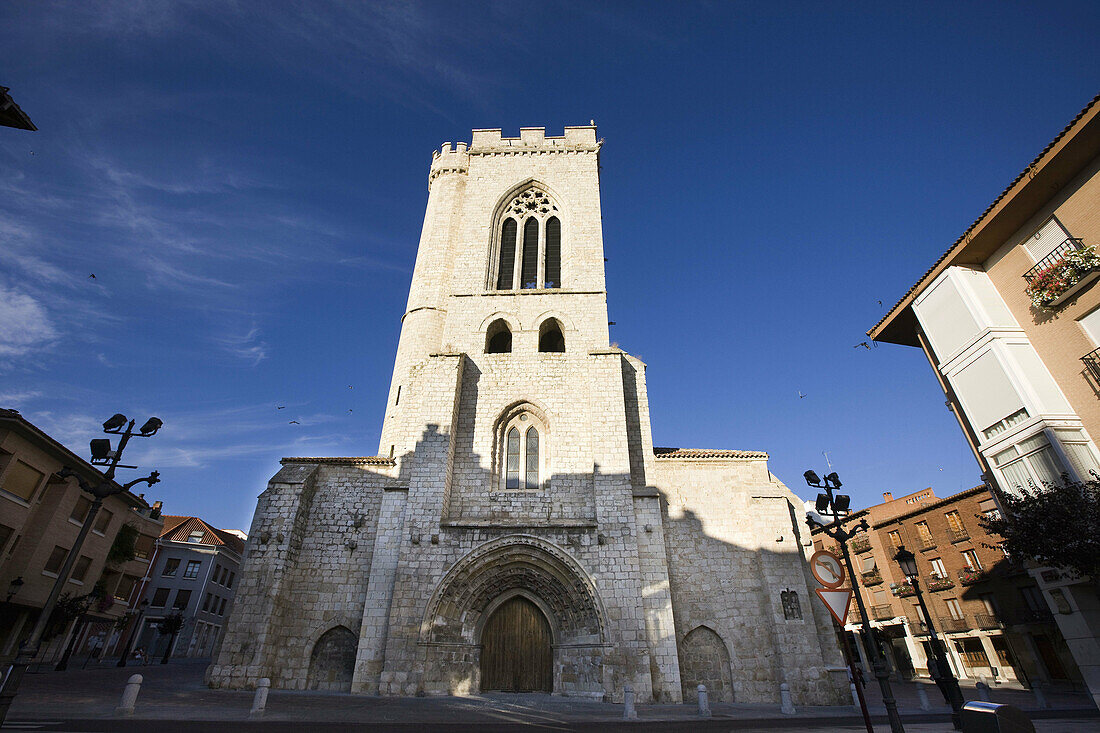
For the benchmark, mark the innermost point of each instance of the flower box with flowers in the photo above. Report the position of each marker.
(903, 589)
(1054, 283)
(938, 582)
(970, 577)
(871, 577)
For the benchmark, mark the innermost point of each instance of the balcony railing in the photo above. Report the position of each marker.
(903, 589)
(986, 621)
(883, 612)
(928, 544)
(862, 543)
(959, 535)
(1067, 269)
(970, 577)
(1092, 363)
(871, 577)
(917, 626)
(938, 583)
(954, 625)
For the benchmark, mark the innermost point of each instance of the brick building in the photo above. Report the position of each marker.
(989, 610)
(1009, 320)
(40, 517)
(518, 529)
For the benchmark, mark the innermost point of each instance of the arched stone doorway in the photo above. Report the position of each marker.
(704, 660)
(516, 653)
(332, 662)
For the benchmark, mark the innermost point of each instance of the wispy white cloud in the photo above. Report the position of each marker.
(18, 398)
(248, 346)
(25, 325)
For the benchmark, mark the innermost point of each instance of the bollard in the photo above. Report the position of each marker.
(129, 695)
(922, 696)
(1040, 696)
(855, 695)
(260, 701)
(704, 703)
(786, 706)
(629, 713)
(983, 691)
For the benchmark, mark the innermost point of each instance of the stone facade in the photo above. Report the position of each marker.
(627, 550)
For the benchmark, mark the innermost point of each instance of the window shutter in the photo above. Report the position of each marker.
(1043, 242)
(507, 266)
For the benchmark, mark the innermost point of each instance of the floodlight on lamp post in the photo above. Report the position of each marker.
(100, 488)
(837, 506)
(940, 668)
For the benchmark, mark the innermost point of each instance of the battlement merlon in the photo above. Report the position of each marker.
(455, 157)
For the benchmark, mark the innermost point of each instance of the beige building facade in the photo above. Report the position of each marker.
(1009, 319)
(518, 530)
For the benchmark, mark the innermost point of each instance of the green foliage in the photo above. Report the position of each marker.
(124, 547)
(67, 608)
(1056, 525)
(171, 624)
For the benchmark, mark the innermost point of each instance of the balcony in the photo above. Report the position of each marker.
(954, 625)
(1061, 274)
(918, 626)
(927, 544)
(970, 577)
(959, 535)
(862, 543)
(986, 621)
(903, 589)
(1030, 616)
(937, 583)
(884, 612)
(1092, 363)
(871, 577)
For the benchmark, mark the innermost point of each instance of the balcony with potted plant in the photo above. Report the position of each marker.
(968, 576)
(860, 543)
(871, 577)
(937, 582)
(1062, 273)
(903, 589)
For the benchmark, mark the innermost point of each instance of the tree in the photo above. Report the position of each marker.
(124, 548)
(1056, 525)
(170, 626)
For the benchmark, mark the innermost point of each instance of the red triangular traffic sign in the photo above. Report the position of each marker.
(837, 601)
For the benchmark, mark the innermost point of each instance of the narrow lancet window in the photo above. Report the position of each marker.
(532, 458)
(552, 273)
(507, 266)
(512, 459)
(530, 269)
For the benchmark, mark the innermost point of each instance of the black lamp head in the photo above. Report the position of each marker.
(101, 449)
(841, 502)
(151, 426)
(822, 504)
(833, 480)
(115, 422)
(907, 561)
(811, 478)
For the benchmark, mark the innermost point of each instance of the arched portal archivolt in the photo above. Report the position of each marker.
(504, 567)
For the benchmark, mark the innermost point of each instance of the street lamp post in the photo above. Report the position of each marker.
(129, 645)
(940, 667)
(837, 506)
(106, 486)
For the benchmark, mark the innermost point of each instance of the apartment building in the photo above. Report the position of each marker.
(1009, 320)
(40, 517)
(988, 609)
(193, 573)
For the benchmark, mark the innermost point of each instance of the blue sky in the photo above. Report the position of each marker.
(247, 182)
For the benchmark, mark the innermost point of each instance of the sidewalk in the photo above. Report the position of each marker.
(174, 692)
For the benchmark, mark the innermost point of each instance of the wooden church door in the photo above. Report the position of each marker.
(515, 649)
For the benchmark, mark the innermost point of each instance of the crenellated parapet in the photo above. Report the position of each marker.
(455, 158)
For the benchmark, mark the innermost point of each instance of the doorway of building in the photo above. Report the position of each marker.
(516, 654)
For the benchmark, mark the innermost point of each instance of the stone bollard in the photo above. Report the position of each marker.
(922, 696)
(260, 701)
(704, 703)
(129, 695)
(983, 691)
(629, 713)
(1040, 696)
(786, 706)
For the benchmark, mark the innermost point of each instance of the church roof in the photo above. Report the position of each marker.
(178, 529)
(706, 453)
(354, 460)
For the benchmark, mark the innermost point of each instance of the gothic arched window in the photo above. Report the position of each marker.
(535, 260)
(498, 338)
(524, 455)
(550, 336)
(507, 265)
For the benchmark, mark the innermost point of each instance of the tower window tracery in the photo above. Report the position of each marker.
(535, 260)
(523, 457)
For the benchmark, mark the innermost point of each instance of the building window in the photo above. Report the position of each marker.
(534, 262)
(925, 534)
(143, 546)
(183, 597)
(954, 608)
(221, 608)
(1003, 425)
(954, 521)
(171, 565)
(1030, 463)
(895, 538)
(523, 453)
(972, 561)
(938, 568)
(550, 336)
(498, 338)
(196, 536)
(869, 564)
(102, 520)
(5, 534)
(23, 481)
(160, 597)
(1080, 454)
(80, 510)
(206, 603)
(232, 577)
(125, 587)
(80, 569)
(192, 570)
(56, 560)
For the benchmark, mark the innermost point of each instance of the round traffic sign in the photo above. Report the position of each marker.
(827, 568)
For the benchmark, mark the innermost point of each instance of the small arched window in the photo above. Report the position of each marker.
(552, 271)
(524, 453)
(550, 336)
(507, 265)
(529, 272)
(498, 338)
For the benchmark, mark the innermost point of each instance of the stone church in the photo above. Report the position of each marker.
(518, 529)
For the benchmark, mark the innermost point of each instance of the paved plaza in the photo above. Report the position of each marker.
(174, 700)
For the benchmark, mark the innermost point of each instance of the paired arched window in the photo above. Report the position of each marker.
(523, 454)
(551, 337)
(529, 245)
(498, 338)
